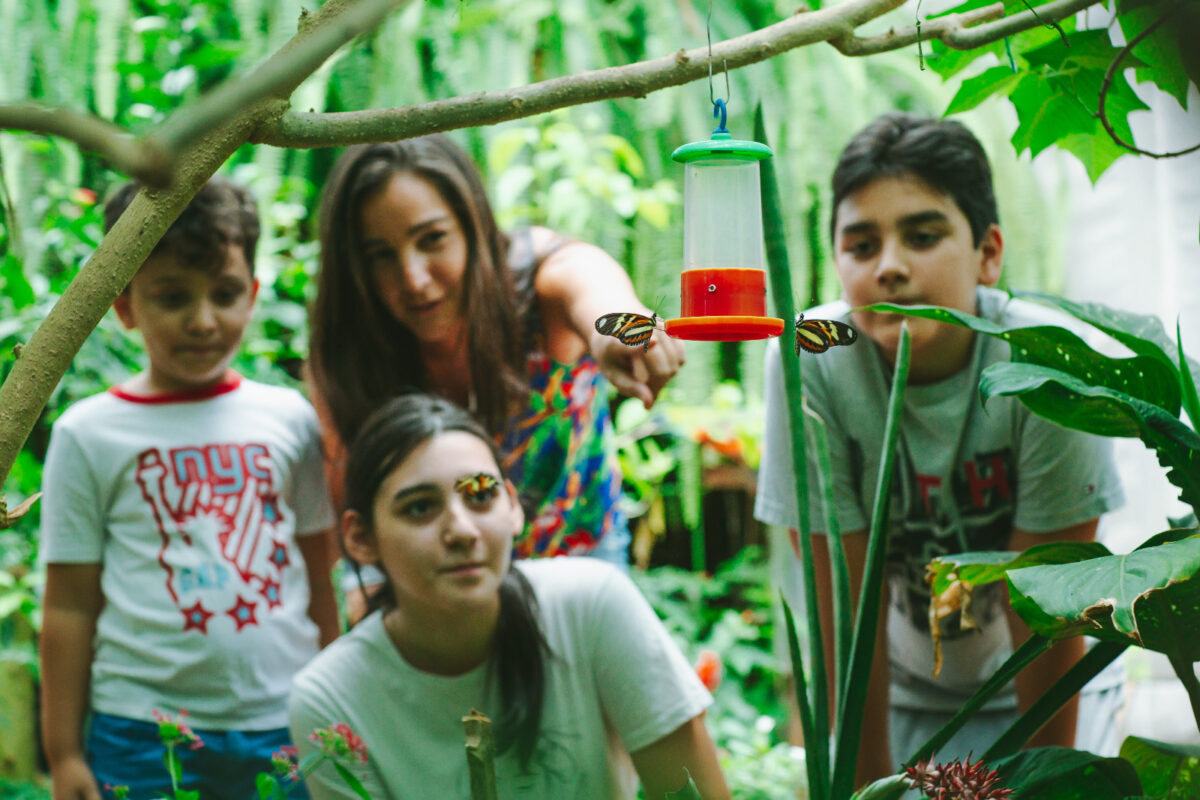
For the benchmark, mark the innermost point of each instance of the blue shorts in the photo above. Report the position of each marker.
(128, 751)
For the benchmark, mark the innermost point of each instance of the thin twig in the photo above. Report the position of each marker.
(1106, 84)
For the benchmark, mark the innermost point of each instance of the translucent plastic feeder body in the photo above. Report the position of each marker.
(723, 286)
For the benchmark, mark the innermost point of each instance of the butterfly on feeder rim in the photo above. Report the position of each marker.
(818, 335)
(475, 487)
(628, 328)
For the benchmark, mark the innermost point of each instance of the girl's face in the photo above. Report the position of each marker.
(444, 524)
(415, 252)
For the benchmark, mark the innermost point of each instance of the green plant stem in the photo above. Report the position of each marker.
(862, 647)
(1187, 676)
(843, 613)
(1033, 647)
(1046, 706)
(816, 741)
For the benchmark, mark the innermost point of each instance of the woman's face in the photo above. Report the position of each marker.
(415, 253)
(444, 524)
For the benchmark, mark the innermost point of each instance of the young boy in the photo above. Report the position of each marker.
(183, 534)
(914, 222)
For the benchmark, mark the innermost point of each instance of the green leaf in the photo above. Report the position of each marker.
(1167, 771)
(1142, 333)
(973, 91)
(688, 792)
(1149, 376)
(979, 568)
(1150, 596)
(892, 787)
(267, 785)
(1060, 773)
(1096, 151)
(1089, 49)
(1074, 404)
(1046, 114)
(351, 780)
(1161, 61)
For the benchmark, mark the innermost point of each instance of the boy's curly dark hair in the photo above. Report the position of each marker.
(221, 214)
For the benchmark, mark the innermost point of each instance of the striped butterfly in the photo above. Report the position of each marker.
(475, 486)
(630, 329)
(818, 335)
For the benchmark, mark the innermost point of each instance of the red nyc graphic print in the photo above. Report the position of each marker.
(217, 511)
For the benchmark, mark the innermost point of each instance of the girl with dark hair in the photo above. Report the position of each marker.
(419, 290)
(566, 656)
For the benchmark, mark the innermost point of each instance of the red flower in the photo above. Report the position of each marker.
(957, 781)
(709, 669)
(286, 761)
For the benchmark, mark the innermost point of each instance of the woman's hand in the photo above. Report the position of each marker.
(634, 372)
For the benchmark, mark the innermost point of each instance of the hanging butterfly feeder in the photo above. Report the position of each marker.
(723, 287)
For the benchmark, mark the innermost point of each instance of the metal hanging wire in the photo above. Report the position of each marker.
(718, 103)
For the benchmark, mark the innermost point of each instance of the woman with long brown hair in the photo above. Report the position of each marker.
(420, 290)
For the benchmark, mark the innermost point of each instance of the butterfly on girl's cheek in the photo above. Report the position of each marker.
(818, 335)
(628, 328)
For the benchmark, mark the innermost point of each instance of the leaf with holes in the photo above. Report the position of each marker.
(1150, 596)
(1142, 333)
(1070, 402)
(1142, 376)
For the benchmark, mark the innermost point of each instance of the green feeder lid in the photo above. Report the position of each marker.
(722, 146)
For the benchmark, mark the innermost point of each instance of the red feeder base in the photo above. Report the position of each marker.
(723, 305)
(723, 329)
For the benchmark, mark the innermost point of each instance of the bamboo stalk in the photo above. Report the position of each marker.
(481, 755)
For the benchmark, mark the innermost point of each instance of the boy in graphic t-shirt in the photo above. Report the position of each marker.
(183, 534)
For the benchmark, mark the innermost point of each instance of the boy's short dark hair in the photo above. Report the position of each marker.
(941, 153)
(221, 214)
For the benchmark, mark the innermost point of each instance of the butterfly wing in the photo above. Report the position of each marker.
(818, 335)
(630, 329)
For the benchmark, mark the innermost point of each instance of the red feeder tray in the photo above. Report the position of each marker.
(723, 305)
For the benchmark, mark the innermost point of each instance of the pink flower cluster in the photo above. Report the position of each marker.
(286, 762)
(173, 732)
(339, 741)
(957, 781)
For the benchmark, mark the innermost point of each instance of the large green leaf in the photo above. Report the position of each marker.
(1075, 404)
(1150, 596)
(1167, 771)
(1142, 333)
(1152, 378)
(1060, 773)
(978, 568)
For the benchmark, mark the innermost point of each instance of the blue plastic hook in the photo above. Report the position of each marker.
(719, 111)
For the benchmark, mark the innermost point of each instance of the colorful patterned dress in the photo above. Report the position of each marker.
(560, 452)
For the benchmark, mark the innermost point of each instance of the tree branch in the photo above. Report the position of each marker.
(146, 161)
(963, 31)
(280, 75)
(634, 80)
(1106, 84)
(45, 358)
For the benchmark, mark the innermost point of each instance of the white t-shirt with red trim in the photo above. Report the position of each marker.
(192, 503)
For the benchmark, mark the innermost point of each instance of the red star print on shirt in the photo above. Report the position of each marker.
(196, 618)
(243, 613)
